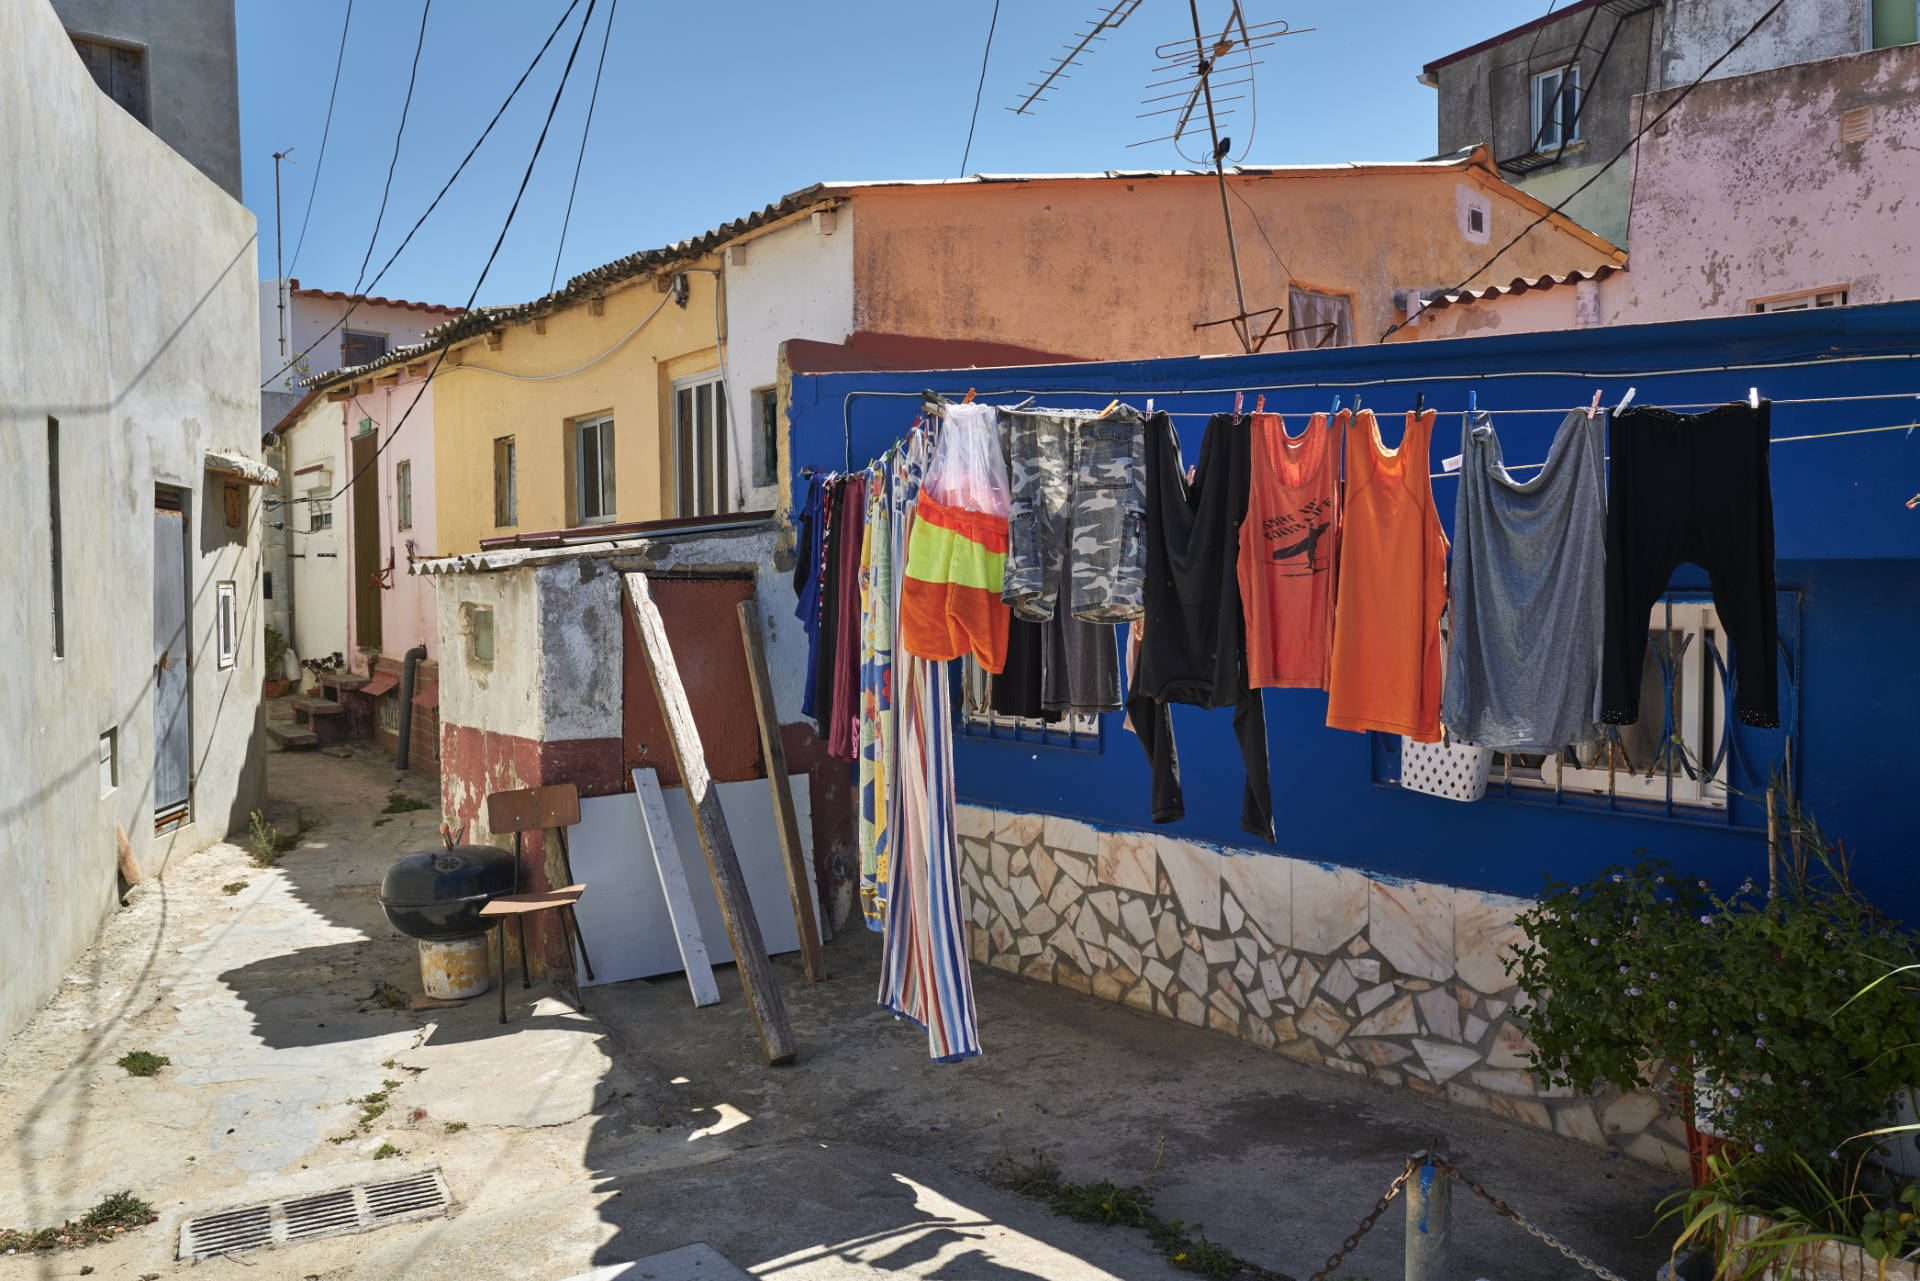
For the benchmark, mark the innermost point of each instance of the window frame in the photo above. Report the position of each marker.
(403, 493)
(766, 405)
(506, 497)
(1567, 118)
(346, 340)
(605, 455)
(145, 114)
(1300, 340)
(470, 614)
(319, 502)
(977, 719)
(226, 624)
(705, 482)
(1803, 300)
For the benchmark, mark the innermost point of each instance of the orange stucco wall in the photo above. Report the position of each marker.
(1124, 268)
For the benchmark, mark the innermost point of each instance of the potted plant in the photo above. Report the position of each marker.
(276, 682)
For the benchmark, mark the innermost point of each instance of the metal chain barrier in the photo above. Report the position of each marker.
(1472, 1185)
(1366, 1224)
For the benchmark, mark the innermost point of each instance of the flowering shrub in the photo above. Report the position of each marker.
(1643, 967)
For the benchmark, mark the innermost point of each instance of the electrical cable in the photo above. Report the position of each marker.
(592, 98)
(577, 369)
(405, 107)
(446, 343)
(325, 131)
(353, 304)
(1601, 171)
(980, 88)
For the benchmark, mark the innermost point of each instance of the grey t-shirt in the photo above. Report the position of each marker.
(1527, 599)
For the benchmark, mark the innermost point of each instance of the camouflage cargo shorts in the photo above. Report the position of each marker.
(1078, 508)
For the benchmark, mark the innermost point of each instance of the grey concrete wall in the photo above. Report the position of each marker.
(132, 280)
(193, 77)
(1698, 31)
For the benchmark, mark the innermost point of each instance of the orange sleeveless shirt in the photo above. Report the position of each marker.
(1392, 588)
(1289, 550)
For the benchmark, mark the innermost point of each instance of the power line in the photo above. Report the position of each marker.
(607, 39)
(446, 343)
(448, 186)
(1632, 142)
(398, 134)
(984, 55)
(324, 131)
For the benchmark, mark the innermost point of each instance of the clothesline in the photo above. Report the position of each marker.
(1772, 440)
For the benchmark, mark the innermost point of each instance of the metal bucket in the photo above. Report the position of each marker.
(454, 969)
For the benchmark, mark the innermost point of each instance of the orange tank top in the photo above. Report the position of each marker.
(1392, 587)
(1288, 552)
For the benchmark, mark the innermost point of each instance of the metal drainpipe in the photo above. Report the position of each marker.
(415, 657)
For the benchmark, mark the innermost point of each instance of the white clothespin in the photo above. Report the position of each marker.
(1149, 404)
(1593, 410)
(1238, 400)
(1624, 401)
(1753, 398)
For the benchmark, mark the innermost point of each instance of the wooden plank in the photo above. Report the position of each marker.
(730, 887)
(674, 887)
(799, 875)
(538, 901)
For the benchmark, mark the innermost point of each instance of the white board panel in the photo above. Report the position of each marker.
(624, 915)
(668, 861)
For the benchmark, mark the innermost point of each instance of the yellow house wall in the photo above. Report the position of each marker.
(472, 409)
(1123, 269)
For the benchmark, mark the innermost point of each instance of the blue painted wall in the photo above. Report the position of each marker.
(1847, 544)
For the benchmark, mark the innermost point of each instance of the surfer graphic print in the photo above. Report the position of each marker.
(1289, 547)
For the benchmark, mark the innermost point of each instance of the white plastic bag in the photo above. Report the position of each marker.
(967, 469)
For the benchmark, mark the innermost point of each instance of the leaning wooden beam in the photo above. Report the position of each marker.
(799, 879)
(743, 928)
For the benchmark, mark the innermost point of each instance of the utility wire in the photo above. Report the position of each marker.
(446, 343)
(607, 39)
(979, 88)
(325, 130)
(406, 106)
(1599, 173)
(458, 170)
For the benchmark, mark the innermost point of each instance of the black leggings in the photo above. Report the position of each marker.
(1691, 487)
(1153, 722)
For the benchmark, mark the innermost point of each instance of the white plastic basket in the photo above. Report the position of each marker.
(1452, 769)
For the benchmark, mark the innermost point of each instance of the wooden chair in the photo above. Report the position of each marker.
(536, 809)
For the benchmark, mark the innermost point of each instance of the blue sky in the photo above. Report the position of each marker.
(708, 111)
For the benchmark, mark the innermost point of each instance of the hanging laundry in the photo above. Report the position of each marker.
(1385, 673)
(1692, 487)
(876, 690)
(957, 549)
(1194, 649)
(1528, 588)
(1080, 668)
(1016, 690)
(808, 574)
(849, 528)
(1289, 551)
(826, 649)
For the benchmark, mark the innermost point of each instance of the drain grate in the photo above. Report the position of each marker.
(360, 1208)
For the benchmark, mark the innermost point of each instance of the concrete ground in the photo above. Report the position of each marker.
(572, 1142)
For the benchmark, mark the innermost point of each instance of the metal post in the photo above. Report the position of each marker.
(1430, 1223)
(279, 283)
(1204, 67)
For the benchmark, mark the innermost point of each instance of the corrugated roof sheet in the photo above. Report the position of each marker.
(1520, 285)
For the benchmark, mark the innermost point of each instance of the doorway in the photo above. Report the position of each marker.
(172, 664)
(366, 541)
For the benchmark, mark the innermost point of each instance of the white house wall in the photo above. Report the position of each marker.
(317, 560)
(793, 282)
(134, 276)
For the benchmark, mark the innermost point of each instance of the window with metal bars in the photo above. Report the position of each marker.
(979, 720)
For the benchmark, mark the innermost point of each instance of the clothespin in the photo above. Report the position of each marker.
(1149, 404)
(1238, 401)
(1260, 403)
(1624, 401)
(969, 399)
(1419, 402)
(1473, 403)
(1111, 406)
(1753, 398)
(1594, 408)
(1336, 404)
(1913, 502)
(1356, 404)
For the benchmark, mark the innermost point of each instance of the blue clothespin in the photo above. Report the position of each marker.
(1336, 404)
(1473, 403)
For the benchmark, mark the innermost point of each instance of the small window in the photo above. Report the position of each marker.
(1556, 107)
(766, 467)
(266, 584)
(979, 720)
(1476, 222)
(235, 499)
(1318, 319)
(1813, 298)
(403, 491)
(478, 620)
(109, 760)
(700, 445)
(387, 709)
(319, 509)
(226, 624)
(358, 348)
(593, 470)
(121, 72)
(56, 573)
(506, 499)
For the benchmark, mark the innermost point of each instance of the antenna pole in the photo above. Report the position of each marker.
(1219, 172)
(279, 281)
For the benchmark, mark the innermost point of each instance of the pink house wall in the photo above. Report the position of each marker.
(407, 612)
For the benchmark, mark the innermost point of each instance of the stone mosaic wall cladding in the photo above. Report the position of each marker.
(1400, 981)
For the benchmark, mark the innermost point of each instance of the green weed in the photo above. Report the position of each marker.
(142, 1063)
(233, 887)
(269, 842)
(454, 1127)
(116, 1214)
(401, 803)
(386, 1150)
